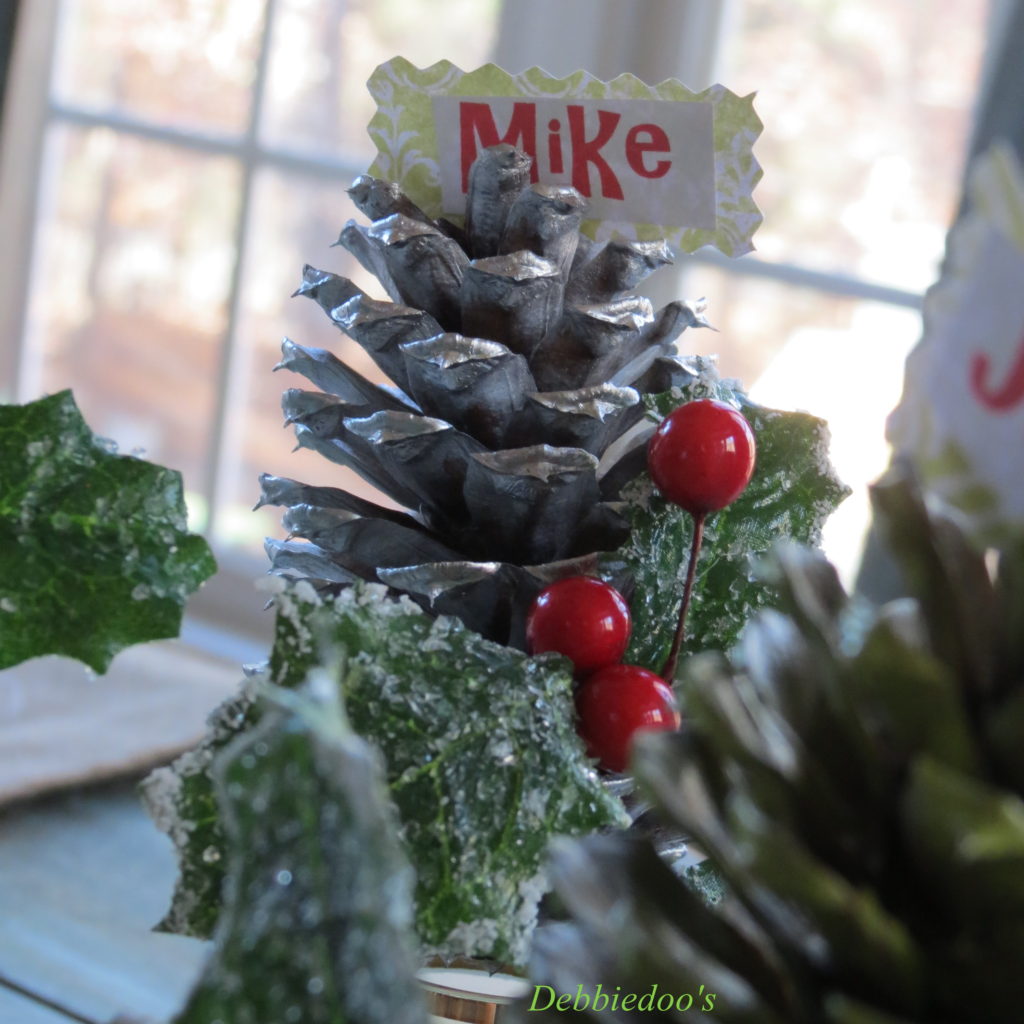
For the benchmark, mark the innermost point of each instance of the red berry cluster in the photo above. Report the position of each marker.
(588, 621)
(701, 458)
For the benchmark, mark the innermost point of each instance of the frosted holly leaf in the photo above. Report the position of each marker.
(181, 800)
(94, 551)
(793, 491)
(483, 759)
(484, 765)
(317, 920)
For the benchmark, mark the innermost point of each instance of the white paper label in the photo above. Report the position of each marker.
(653, 161)
(961, 418)
(640, 161)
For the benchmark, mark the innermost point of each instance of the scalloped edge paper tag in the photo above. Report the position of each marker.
(961, 417)
(653, 161)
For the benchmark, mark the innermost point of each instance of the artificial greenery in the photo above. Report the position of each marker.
(857, 779)
(483, 765)
(793, 491)
(512, 437)
(94, 550)
(317, 925)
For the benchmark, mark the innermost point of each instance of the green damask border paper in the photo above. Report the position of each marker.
(403, 131)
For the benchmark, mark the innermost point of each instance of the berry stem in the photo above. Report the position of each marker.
(668, 672)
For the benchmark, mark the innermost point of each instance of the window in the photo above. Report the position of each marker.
(194, 154)
(868, 108)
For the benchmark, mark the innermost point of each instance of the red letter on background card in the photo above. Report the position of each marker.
(1003, 398)
(656, 141)
(477, 130)
(586, 152)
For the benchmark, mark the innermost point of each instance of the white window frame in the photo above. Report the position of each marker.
(21, 143)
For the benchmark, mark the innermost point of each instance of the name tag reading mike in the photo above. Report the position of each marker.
(651, 161)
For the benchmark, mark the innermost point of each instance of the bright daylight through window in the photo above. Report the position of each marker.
(197, 151)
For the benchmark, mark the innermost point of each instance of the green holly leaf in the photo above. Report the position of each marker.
(793, 491)
(484, 765)
(317, 922)
(94, 553)
(182, 802)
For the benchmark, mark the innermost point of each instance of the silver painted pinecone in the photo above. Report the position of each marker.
(518, 357)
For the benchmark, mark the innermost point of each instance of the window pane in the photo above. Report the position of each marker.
(187, 63)
(136, 243)
(325, 50)
(839, 358)
(867, 110)
(295, 220)
(755, 318)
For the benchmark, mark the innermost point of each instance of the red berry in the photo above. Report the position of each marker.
(702, 456)
(618, 702)
(583, 618)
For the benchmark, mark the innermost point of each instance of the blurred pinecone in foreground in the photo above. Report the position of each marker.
(519, 357)
(857, 779)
